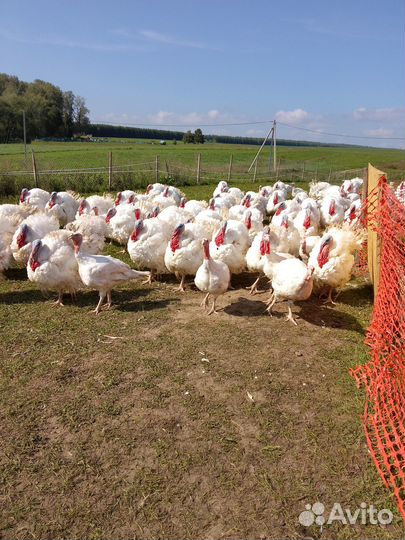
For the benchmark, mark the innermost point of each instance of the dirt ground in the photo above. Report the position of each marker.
(153, 420)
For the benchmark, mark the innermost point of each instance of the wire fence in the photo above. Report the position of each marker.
(99, 171)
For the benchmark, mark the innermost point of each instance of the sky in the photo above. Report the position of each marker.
(334, 66)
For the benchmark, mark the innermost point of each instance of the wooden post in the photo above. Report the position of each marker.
(255, 171)
(25, 139)
(230, 168)
(330, 174)
(278, 169)
(34, 168)
(274, 146)
(198, 168)
(316, 171)
(167, 168)
(157, 169)
(303, 171)
(109, 171)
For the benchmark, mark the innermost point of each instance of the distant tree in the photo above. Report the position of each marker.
(80, 113)
(68, 113)
(174, 141)
(198, 136)
(189, 137)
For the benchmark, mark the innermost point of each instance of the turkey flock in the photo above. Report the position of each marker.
(299, 241)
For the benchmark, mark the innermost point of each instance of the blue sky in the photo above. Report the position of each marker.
(333, 66)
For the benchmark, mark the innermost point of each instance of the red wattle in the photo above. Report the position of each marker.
(275, 199)
(323, 256)
(34, 265)
(220, 238)
(175, 242)
(332, 208)
(20, 241)
(264, 248)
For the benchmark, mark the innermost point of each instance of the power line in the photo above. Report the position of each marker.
(341, 134)
(182, 125)
(345, 135)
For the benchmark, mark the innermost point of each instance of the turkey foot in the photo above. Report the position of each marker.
(290, 316)
(329, 299)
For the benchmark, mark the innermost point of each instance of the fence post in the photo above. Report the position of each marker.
(157, 169)
(330, 174)
(278, 169)
(255, 171)
(109, 170)
(303, 171)
(230, 168)
(198, 168)
(34, 168)
(167, 168)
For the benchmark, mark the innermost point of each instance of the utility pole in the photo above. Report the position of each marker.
(25, 137)
(274, 147)
(261, 148)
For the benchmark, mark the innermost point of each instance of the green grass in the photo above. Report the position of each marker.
(134, 165)
(214, 156)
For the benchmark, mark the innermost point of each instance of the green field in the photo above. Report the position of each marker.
(134, 164)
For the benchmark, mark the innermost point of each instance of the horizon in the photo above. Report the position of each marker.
(312, 67)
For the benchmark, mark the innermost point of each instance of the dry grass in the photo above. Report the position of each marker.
(137, 436)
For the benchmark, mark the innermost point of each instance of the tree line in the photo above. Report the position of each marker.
(49, 111)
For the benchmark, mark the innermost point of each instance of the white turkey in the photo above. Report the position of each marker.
(212, 278)
(259, 251)
(11, 216)
(93, 229)
(171, 216)
(307, 244)
(102, 203)
(292, 281)
(183, 254)
(165, 199)
(288, 235)
(306, 222)
(147, 246)
(275, 198)
(222, 187)
(63, 206)
(353, 213)
(230, 244)
(209, 220)
(333, 258)
(125, 197)
(121, 220)
(332, 211)
(102, 272)
(34, 197)
(193, 207)
(52, 264)
(32, 228)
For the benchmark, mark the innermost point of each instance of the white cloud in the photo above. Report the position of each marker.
(162, 117)
(380, 132)
(213, 114)
(192, 119)
(379, 115)
(292, 117)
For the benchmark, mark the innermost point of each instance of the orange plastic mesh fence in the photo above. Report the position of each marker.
(384, 375)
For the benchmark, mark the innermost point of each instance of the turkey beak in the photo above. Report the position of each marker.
(325, 242)
(118, 199)
(23, 195)
(52, 200)
(36, 246)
